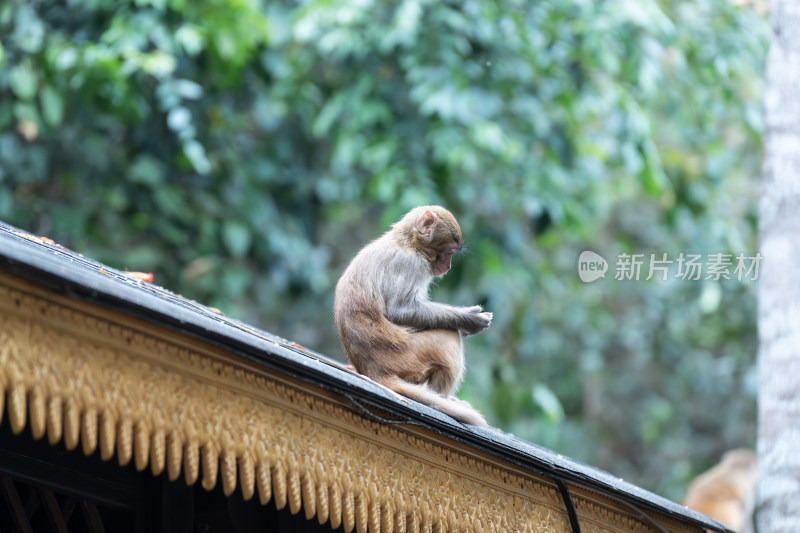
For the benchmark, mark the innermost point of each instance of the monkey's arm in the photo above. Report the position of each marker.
(423, 314)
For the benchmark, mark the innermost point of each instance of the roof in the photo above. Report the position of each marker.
(58, 269)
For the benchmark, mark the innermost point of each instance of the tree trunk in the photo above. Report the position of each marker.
(779, 289)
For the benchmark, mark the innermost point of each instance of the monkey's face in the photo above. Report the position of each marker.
(438, 237)
(443, 260)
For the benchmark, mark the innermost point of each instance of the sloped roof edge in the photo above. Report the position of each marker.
(67, 272)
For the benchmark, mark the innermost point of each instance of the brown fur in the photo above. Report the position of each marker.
(389, 329)
(726, 491)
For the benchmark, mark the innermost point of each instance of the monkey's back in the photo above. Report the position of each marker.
(726, 491)
(359, 310)
(376, 346)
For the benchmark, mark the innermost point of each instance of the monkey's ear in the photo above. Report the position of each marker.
(425, 224)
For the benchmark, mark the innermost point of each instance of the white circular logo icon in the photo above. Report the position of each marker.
(591, 266)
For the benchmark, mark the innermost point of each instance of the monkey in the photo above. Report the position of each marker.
(726, 492)
(389, 329)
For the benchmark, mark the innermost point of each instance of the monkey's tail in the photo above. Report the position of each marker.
(458, 409)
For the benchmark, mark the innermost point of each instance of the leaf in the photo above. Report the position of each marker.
(197, 156)
(148, 170)
(236, 237)
(655, 181)
(179, 118)
(189, 89)
(329, 114)
(23, 81)
(52, 105)
(235, 280)
(29, 33)
(488, 135)
(404, 28)
(66, 59)
(192, 41)
(158, 63)
(548, 402)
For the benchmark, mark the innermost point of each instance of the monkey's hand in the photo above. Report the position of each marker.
(474, 321)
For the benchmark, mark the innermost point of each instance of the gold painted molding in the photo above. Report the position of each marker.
(97, 378)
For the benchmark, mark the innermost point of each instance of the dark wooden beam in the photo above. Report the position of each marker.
(14, 503)
(92, 517)
(53, 510)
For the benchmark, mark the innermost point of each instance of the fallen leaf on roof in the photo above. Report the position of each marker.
(142, 276)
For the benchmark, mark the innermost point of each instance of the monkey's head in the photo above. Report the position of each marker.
(434, 232)
(741, 466)
(740, 458)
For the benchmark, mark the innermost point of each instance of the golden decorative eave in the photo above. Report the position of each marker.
(133, 391)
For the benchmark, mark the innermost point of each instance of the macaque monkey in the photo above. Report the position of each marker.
(389, 329)
(726, 492)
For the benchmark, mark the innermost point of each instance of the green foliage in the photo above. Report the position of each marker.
(243, 153)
